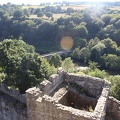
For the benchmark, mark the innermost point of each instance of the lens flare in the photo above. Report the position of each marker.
(66, 43)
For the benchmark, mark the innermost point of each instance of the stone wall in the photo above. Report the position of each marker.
(13, 93)
(12, 104)
(47, 108)
(11, 108)
(42, 106)
(78, 101)
(113, 109)
(92, 84)
(47, 86)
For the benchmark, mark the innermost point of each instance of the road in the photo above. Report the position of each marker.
(58, 52)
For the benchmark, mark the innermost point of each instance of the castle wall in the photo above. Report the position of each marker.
(47, 86)
(13, 93)
(46, 108)
(92, 84)
(41, 106)
(78, 101)
(113, 108)
(12, 104)
(11, 109)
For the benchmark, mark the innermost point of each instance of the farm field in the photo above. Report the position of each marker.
(34, 6)
(75, 7)
(55, 16)
(115, 8)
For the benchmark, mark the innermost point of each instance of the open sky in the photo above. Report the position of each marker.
(37, 2)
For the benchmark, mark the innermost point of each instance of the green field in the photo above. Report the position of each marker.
(34, 6)
(55, 16)
(76, 7)
(115, 8)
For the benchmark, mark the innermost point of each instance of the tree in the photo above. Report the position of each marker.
(117, 24)
(80, 42)
(2, 76)
(118, 51)
(23, 67)
(1, 13)
(81, 31)
(70, 10)
(112, 61)
(84, 54)
(97, 73)
(48, 14)
(26, 12)
(115, 86)
(58, 9)
(55, 60)
(17, 14)
(112, 21)
(110, 45)
(68, 64)
(93, 65)
(76, 54)
(29, 73)
(40, 14)
(93, 42)
(97, 51)
(106, 18)
(107, 32)
(94, 26)
(37, 11)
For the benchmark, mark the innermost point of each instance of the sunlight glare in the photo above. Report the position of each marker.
(66, 43)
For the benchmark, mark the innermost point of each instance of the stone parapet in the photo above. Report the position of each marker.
(92, 84)
(47, 86)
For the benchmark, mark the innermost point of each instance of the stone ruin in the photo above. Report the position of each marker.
(68, 96)
(12, 104)
(64, 96)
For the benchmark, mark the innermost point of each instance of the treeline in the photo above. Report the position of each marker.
(95, 31)
(45, 34)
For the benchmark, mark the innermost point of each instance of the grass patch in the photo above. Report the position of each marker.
(47, 47)
(35, 6)
(76, 7)
(55, 16)
(32, 6)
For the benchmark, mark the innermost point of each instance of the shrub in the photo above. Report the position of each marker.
(115, 86)
(97, 73)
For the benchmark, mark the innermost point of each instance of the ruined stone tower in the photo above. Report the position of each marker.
(64, 96)
(67, 96)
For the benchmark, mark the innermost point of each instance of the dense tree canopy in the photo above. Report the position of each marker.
(55, 60)
(23, 67)
(16, 21)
